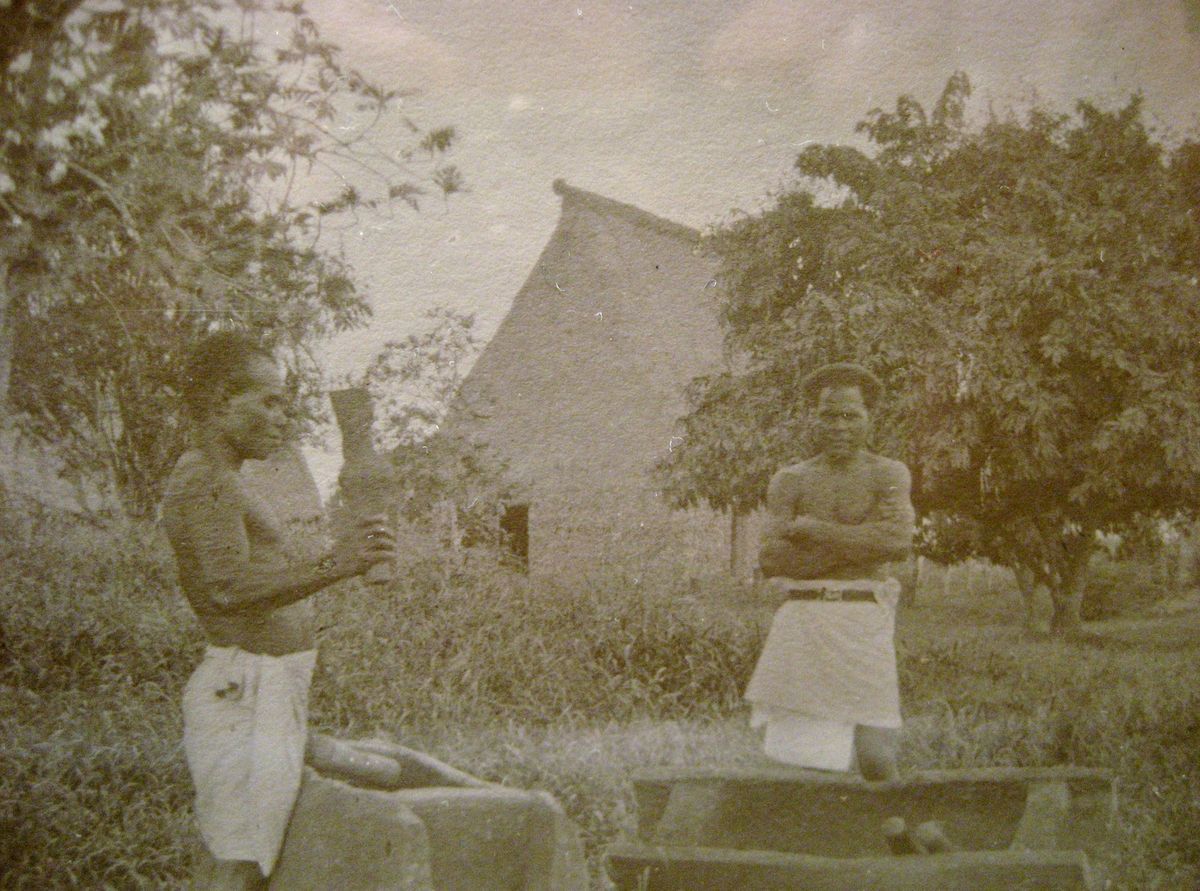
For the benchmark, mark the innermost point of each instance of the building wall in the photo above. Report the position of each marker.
(583, 382)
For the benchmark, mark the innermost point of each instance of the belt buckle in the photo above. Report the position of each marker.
(831, 594)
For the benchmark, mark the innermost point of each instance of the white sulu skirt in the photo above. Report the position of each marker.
(245, 729)
(826, 667)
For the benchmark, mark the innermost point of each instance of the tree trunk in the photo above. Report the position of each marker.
(1065, 621)
(1189, 556)
(6, 436)
(736, 535)
(1067, 596)
(1027, 585)
(910, 577)
(5, 343)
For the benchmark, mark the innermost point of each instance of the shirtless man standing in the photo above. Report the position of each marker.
(246, 706)
(825, 685)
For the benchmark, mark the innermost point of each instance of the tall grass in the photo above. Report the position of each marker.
(484, 646)
(568, 689)
(94, 650)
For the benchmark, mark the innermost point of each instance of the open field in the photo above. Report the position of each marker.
(568, 690)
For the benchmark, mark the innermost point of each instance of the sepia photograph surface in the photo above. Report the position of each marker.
(599, 445)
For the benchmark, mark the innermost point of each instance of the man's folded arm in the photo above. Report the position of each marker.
(780, 506)
(780, 557)
(887, 536)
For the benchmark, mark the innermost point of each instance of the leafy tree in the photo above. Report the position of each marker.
(30, 24)
(148, 179)
(1027, 288)
(415, 382)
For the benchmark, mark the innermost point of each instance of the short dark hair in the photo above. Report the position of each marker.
(219, 367)
(842, 374)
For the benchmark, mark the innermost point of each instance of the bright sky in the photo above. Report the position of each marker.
(690, 109)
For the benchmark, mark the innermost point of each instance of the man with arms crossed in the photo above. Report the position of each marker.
(245, 708)
(825, 685)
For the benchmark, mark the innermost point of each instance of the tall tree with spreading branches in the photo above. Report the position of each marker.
(153, 156)
(1028, 290)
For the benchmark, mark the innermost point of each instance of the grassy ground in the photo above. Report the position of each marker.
(568, 690)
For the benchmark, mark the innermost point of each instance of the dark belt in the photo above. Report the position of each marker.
(852, 595)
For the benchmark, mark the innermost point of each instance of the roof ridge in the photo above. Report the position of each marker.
(629, 211)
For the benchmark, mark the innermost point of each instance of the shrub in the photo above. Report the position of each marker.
(1120, 586)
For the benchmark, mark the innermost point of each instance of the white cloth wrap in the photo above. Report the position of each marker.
(826, 667)
(245, 727)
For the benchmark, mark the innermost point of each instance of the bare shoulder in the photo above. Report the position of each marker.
(800, 469)
(890, 473)
(790, 477)
(193, 470)
(195, 484)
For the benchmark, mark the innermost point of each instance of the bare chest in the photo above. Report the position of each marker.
(847, 497)
(263, 532)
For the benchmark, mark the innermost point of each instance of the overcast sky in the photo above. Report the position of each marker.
(691, 108)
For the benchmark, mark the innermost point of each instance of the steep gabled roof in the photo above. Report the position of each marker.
(635, 215)
(614, 320)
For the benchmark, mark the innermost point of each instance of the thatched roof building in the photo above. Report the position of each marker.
(580, 388)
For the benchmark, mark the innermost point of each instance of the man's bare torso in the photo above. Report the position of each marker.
(837, 522)
(216, 530)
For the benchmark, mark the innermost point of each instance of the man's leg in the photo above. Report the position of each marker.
(876, 748)
(238, 875)
(341, 761)
(228, 875)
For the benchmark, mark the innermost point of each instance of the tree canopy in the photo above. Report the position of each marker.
(151, 165)
(1027, 289)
